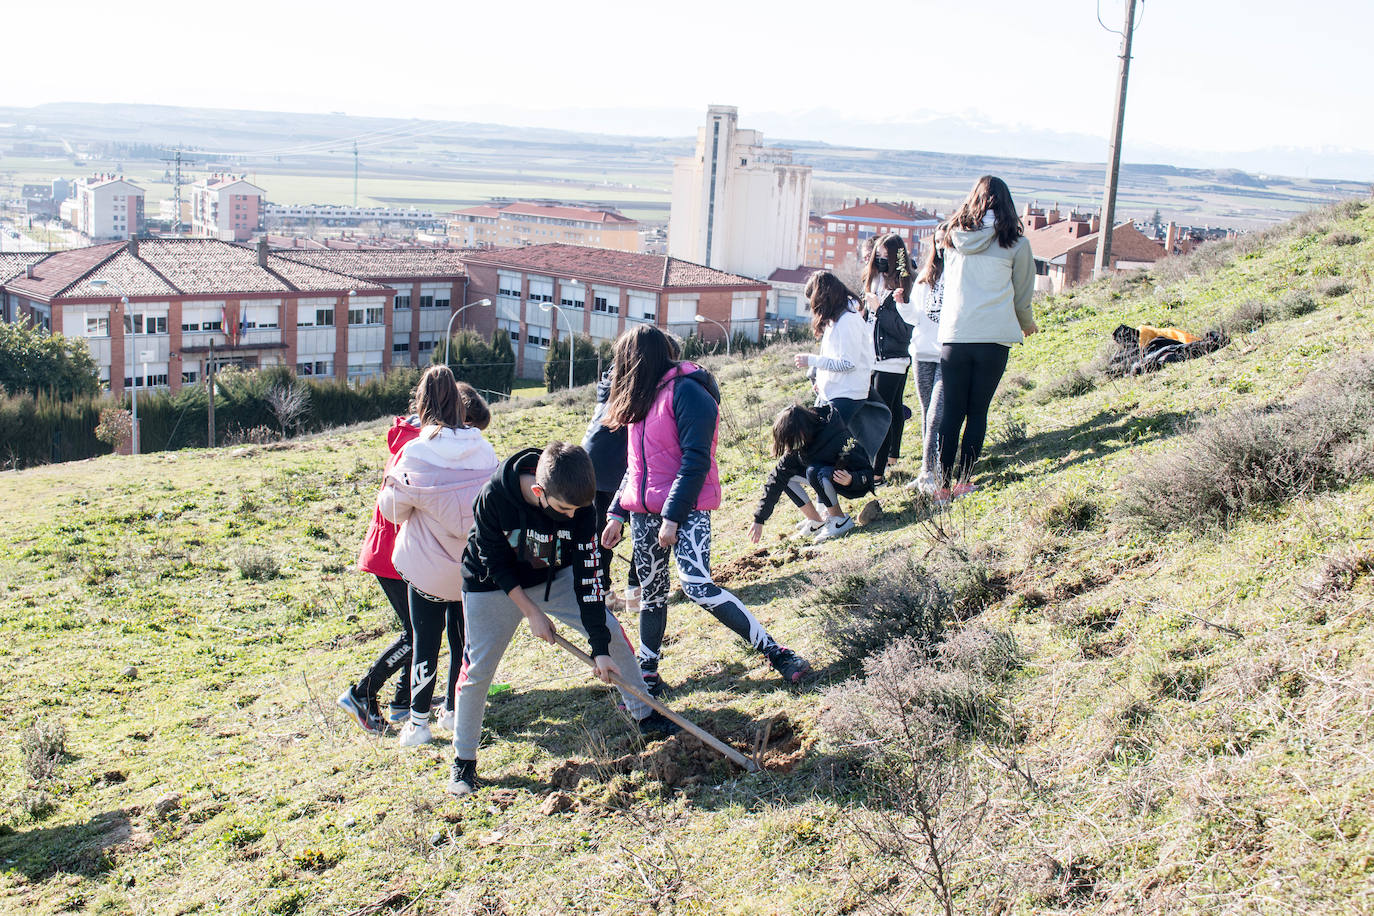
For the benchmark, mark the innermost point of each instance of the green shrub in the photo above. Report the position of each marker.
(590, 359)
(32, 361)
(487, 366)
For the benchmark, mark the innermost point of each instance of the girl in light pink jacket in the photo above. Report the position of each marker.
(429, 492)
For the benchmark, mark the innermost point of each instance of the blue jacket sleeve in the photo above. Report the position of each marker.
(696, 413)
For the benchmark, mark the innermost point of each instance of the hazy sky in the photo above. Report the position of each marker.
(1208, 75)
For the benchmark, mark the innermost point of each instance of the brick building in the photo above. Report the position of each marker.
(602, 293)
(428, 284)
(538, 222)
(225, 207)
(1065, 247)
(815, 240)
(183, 295)
(847, 228)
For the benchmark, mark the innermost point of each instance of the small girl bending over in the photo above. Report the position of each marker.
(813, 446)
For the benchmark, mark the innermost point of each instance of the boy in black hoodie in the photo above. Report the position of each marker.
(535, 529)
(813, 445)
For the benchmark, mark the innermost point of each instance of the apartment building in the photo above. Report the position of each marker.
(166, 304)
(542, 291)
(106, 207)
(226, 207)
(738, 206)
(536, 222)
(847, 228)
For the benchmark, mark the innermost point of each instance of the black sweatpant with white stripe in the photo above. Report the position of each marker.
(693, 555)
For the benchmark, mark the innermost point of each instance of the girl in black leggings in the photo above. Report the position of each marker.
(989, 282)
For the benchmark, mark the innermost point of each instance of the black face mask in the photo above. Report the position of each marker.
(553, 514)
(880, 265)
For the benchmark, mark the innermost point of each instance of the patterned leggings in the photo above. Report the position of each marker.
(693, 554)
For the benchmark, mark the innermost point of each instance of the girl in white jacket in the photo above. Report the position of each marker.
(429, 492)
(989, 282)
(843, 370)
(923, 313)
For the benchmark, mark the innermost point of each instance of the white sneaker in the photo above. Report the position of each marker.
(446, 717)
(414, 735)
(806, 528)
(925, 483)
(834, 527)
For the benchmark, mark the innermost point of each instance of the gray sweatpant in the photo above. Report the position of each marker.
(492, 619)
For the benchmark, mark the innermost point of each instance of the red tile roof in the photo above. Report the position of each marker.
(170, 267)
(881, 212)
(552, 211)
(12, 263)
(481, 210)
(650, 270)
(1128, 242)
(61, 269)
(792, 274)
(385, 263)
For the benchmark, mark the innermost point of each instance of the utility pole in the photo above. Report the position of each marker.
(175, 159)
(210, 390)
(1104, 240)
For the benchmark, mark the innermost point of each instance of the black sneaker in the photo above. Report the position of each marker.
(654, 683)
(789, 665)
(656, 725)
(463, 780)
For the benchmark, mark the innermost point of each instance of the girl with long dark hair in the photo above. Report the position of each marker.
(671, 410)
(843, 369)
(887, 280)
(989, 282)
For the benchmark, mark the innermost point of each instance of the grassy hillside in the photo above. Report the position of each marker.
(1182, 726)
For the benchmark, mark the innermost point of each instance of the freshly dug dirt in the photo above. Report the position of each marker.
(684, 760)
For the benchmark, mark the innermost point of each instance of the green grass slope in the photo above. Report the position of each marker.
(1191, 718)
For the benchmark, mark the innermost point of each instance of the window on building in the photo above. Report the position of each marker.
(426, 346)
(324, 318)
(510, 327)
(508, 284)
(97, 327)
(541, 289)
(573, 296)
(602, 304)
(145, 324)
(442, 302)
(190, 326)
(682, 309)
(217, 325)
(402, 301)
(189, 376)
(365, 316)
(537, 337)
(317, 367)
(403, 347)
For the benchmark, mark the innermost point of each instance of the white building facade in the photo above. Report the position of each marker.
(106, 207)
(737, 205)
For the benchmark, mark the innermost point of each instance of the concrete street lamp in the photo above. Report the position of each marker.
(133, 389)
(724, 330)
(546, 306)
(449, 336)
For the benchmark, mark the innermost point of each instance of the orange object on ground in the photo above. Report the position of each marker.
(1148, 334)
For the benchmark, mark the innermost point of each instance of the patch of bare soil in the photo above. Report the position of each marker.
(684, 760)
(745, 566)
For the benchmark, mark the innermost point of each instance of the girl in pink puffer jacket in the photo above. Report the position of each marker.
(429, 493)
(672, 483)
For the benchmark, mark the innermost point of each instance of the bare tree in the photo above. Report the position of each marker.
(289, 403)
